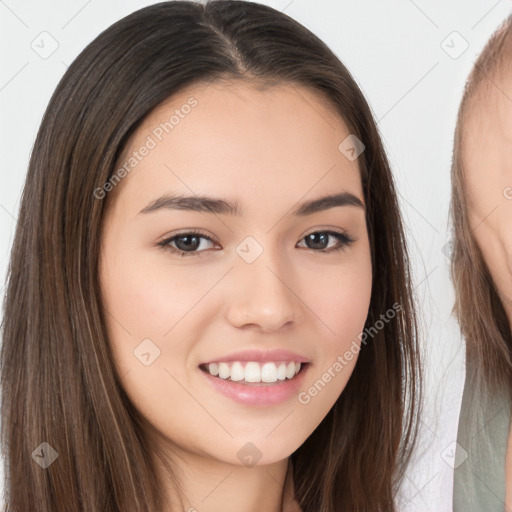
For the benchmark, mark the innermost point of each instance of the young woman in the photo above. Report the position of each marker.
(208, 304)
(482, 275)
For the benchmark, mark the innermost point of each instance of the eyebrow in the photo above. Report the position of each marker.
(219, 206)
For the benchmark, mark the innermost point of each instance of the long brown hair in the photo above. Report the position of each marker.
(478, 307)
(57, 372)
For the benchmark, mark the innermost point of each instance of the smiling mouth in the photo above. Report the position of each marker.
(254, 373)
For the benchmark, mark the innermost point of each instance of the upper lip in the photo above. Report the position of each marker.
(260, 356)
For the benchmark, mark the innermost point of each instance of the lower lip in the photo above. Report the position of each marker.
(258, 394)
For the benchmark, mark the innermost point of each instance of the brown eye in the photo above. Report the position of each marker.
(186, 244)
(320, 239)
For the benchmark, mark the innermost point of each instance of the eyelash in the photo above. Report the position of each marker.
(344, 239)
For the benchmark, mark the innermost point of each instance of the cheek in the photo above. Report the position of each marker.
(494, 238)
(340, 297)
(147, 297)
(505, 227)
(148, 306)
(504, 281)
(342, 305)
(150, 310)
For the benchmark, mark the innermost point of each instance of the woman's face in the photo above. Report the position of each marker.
(488, 168)
(268, 279)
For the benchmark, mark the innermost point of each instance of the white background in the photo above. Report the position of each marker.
(413, 81)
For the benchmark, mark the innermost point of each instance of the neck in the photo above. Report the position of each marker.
(211, 485)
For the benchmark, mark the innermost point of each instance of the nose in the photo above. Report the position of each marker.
(262, 295)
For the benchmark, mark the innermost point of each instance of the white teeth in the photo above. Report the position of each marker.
(255, 372)
(290, 370)
(281, 371)
(223, 370)
(269, 372)
(252, 372)
(237, 372)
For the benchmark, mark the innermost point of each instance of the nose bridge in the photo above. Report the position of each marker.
(263, 291)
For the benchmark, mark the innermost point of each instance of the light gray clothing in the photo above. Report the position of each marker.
(479, 473)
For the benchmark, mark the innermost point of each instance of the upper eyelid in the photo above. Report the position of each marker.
(183, 233)
(199, 231)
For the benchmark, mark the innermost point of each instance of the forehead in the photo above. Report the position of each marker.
(487, 139)
(220, 109)
(490, 106)
(242, 93)
(284, 138)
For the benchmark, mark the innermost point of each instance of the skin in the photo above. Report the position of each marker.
(488, 168)
(269, 150)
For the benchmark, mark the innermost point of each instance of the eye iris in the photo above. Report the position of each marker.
(314, 238)
(188, 245)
